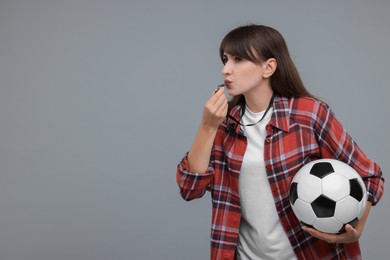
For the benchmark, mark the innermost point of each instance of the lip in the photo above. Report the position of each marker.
(228, 82)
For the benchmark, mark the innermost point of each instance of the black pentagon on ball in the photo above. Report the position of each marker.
(323, 207)
(321, 169)
(293, 192)
(356, 190)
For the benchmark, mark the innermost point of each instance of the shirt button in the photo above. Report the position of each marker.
(268, 128)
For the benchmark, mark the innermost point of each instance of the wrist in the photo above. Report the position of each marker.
(211, 129)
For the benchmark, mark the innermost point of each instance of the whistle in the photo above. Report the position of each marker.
(228, 97)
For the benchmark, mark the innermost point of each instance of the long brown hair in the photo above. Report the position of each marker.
(258, 43)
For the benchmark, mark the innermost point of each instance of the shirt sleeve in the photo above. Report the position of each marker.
(193, 185)
(336, 143)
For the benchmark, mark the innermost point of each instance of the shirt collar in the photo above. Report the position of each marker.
(280, 115)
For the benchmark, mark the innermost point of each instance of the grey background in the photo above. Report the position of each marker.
(99, 100)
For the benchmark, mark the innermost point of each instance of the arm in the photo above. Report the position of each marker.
(336, 143)
(214, 113)
(195, 172)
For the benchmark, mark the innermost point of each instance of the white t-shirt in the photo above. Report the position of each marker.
(261, 235)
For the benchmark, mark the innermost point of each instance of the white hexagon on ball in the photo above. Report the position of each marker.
(362, 206)
(346, 210)
(344, 170)
(329, 225)
(304, 212)
(309, 188)
(335, 186)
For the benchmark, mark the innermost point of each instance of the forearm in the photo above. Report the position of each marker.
(332, 137)
(199, 154)
(359, 227)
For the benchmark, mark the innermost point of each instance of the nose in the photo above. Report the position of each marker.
(226, 70)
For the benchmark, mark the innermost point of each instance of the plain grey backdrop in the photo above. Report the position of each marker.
(99, 101)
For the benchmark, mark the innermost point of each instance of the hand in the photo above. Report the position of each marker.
(349, 236)
(215, 109)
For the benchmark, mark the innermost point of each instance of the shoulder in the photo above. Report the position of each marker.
(307, 104)
(306, 110)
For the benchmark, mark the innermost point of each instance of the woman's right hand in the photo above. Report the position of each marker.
(215, 109)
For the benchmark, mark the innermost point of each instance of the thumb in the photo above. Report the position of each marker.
(350, 229)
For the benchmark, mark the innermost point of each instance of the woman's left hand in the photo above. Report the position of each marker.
(349, 236)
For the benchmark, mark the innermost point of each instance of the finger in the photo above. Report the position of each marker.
(214, 97)
(219, 92)
(348, 227)
(222, 110)
(220, 101)
(215, 102)
(213, 106)
(312, 231)
(351, 231)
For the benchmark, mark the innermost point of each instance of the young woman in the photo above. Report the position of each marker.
(247, 151)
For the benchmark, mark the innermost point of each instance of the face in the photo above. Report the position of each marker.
(241, 76)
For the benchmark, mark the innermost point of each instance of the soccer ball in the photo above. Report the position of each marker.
(327, 194)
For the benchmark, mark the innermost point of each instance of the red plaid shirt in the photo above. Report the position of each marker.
(300, 130)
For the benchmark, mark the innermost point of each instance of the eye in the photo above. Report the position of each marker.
(237, 59)
(224, 59)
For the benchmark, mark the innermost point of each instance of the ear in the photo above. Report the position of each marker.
(269, 67)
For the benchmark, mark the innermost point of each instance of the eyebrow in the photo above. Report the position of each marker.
(227, 55)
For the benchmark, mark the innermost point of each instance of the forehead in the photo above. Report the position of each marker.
(244, 51)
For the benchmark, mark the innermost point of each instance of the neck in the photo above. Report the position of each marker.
(258, 99)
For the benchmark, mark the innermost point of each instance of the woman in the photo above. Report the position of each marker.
(246, 152)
